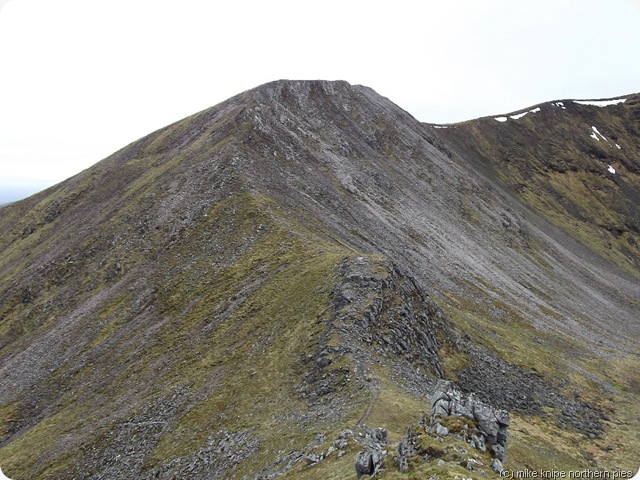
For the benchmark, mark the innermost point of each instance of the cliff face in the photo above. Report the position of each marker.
(224, 296)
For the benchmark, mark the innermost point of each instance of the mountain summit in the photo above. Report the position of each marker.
(304, 277)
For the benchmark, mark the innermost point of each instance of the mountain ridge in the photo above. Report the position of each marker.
(263, 221)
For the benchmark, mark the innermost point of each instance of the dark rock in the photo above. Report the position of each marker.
(369, 462)
(526, 392)
(393, 312)
(378, 435)
(364, 464)
(323, 362)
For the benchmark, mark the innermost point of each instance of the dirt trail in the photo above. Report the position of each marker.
(366, 414)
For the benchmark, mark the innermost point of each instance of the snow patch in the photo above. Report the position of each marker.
(559, 104)
(600, 103)
(618, 146)
(596, 133)
(595, 130)
(439, 126)
(611, 169)
(519, 115)
(501, 119)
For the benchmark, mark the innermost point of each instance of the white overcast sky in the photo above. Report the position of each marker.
(80, 79)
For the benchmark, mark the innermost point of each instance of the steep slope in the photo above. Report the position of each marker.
(575, 162)
(224, 296)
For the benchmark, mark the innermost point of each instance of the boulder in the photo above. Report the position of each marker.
(369, 462)
(440, 430)
(364, 464)
(499, 451)
(496, 466)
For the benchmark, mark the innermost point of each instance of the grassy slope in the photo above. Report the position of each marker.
(269, 297)
(540, 442)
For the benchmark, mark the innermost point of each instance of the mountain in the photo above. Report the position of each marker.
(258, 289)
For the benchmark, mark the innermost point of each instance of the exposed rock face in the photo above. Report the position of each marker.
(368, 463)
(448, 400)
(496, 466)
(455, 423)
(378, 312)
(386, 309)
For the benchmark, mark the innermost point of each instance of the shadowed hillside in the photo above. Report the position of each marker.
(242, 294)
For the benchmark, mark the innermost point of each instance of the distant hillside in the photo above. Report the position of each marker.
(258, 289)
(574, 161)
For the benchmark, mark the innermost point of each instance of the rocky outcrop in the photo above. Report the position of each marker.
(449, 450)
(492, 423)
(460, 431)
(387, 310)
